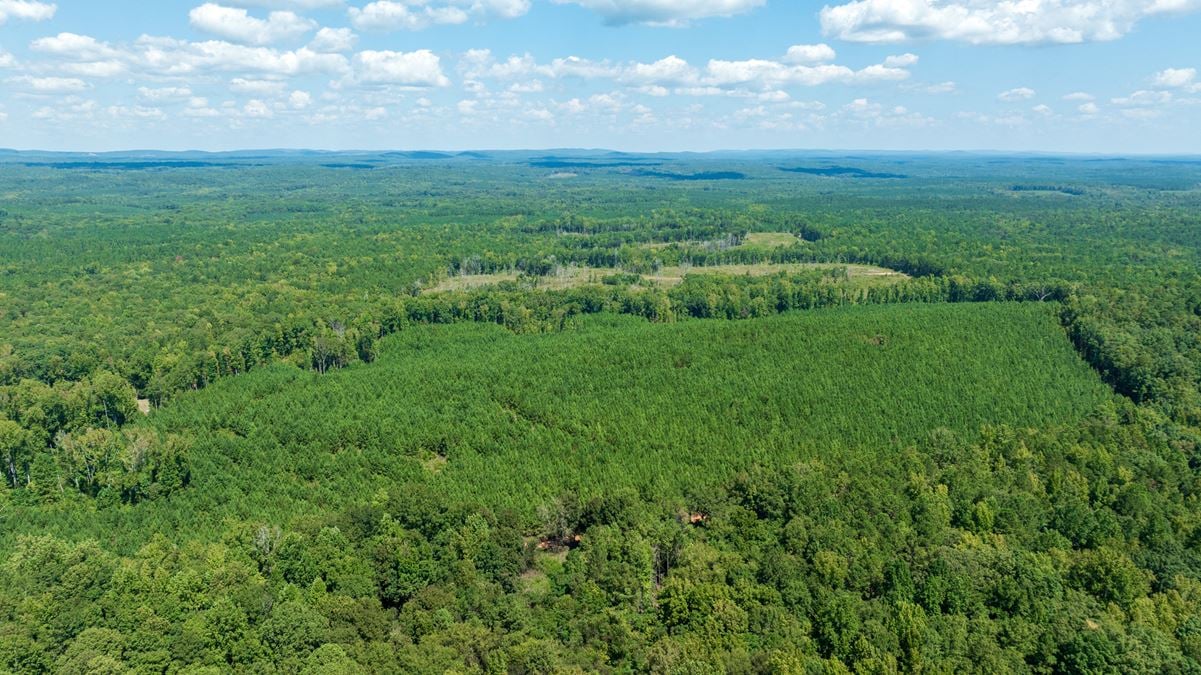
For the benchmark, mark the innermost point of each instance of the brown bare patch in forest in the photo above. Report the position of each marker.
(559, 544)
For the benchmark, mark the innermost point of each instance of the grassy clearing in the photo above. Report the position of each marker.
(466, 282)
(753, 240)
(672, 276)
(769, 240)
(566, 277)
(573, 277)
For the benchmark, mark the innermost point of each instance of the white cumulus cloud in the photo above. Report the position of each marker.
(238, 25)
(948, 87)
(991, 22)
(95, 68)
(333, 40)
(901, 61)
(28, 10)
(257, 109)
(750, 77)
(48, 85)
(165, 93)
(531, 87)
(300, 100)
(70, 109)
(136, 112)
(419, 14)
(821, 53)
(421, 68)
(868, 112)
(1019, 94)
(76, 47)
(82, 55)
(242, 85)
(771, 74)
(170, 57)
(1178, 78)
(664, 12)
(1143, 99)
(1175, 77)
(669, 70)
(290, 4)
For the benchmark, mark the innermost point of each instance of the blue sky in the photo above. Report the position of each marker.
(1113, 76)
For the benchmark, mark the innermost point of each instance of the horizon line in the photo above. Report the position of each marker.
(452, 152)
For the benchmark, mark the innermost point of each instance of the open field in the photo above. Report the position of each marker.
(752, 241)
(770, 240)
(670, 276)
(574, 277)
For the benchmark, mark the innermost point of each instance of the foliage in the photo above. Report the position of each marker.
(807, 471)
(834, 563)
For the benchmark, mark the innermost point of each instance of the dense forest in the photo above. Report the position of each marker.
(505, 412)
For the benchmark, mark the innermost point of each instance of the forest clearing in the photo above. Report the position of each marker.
(575, 277)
